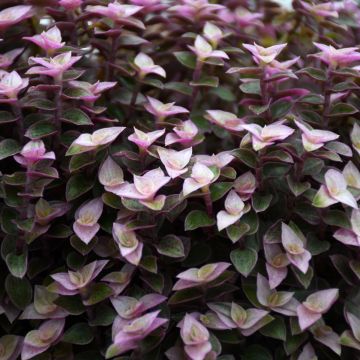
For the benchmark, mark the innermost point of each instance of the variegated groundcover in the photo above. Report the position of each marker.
(179, 179)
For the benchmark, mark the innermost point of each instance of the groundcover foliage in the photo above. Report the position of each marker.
(179, 179)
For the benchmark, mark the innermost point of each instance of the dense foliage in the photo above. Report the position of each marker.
(179, 179)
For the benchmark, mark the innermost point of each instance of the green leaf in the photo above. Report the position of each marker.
(78, 334)
(76, 92)
(337, 218)
(76, 116)
(42, 104)
(196, 219)
(93, 355)
(172, 246)
(261, 202)
(297, 188)
(314, 73)
(251, 87)
(10, 345)
(248, 157)
(249, 289)
(78, 185)
(132, 40)
(312, 99)
(186, 58)
(355, 267)
(256, 352)
(276, 329)
(214, 61)
(341, 264)
(80, 161)
(316, 246)
(153, 82)
(76, 149)
(252, 220)
(17, 264)
(244, 260)
(40, 130)
(15, 179)
(149, 263)
(347, 339)
(8, 147)
(342, 109)
(235, 232)
(294, 342)
(313, 166)
(279, 155)
(6, 117)
(186, 295)
(206, 81)
(218, 190)
(8, 216)
(304, 279)
(344, 86)
(133, 205)
(112, 200)
(98, 293)
(60, 231)
(224, 93)
(104, 316)
(339, 148)
(19, 291)
(80, 246)
(179, 87)
(228, 172)
(280, 109)
(72, 74)
(228, 337)
(199, 253)
(154, 281)
(258, 109)
(72, 304)
(276, 170)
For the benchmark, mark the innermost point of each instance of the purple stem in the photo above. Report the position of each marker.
(112, 57)
(258, 171)
(196, 77)
(25, 211)
(58, 114)
(207, 200)
(265, 95)
(16, 108)
(327, 95)
(133, 98)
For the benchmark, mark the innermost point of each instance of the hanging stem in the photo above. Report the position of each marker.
(196, 77)
(258, 172)
(207, 199)
(327, 95)
(133, 98)
(265, 94)
(16, 108)
(25, 210)
(58, 112)
(112, 57)
(74, 34)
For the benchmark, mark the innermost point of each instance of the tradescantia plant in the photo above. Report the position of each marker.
(179, 179)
